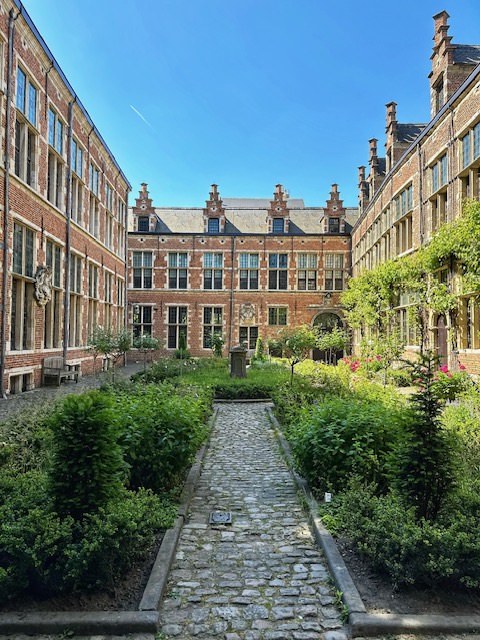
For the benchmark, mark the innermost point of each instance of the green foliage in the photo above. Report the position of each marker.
(344, 436)
(409, 550)
(182, 354)
(217, 344)
(422, 471)
(259, 354)
(332, 342)
(160, 432)
(47, 554)
(25, 439)
(297, 342)
(107, 543)
(87, 468)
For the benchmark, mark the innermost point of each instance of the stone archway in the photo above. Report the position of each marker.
(326, 322)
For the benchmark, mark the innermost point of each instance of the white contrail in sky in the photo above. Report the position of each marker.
(141, 116)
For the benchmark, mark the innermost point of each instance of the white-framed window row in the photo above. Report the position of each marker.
(56, 164)
(26, 133)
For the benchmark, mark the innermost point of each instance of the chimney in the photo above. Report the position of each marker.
(362, 189)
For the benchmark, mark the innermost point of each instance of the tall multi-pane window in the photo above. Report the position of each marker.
(53, 308)
(120, 303)
(22, 313)
(277, 271)
(76, 209)
(25, 133)
(212, 324)
(121, 235)
(142, 262)
(249, 270)
(177, 328)
(476, 141)
(77, 158)
(142, 321)
(248, 336)
(466, 150)
(56, 165)
(334, 271)
(108, 300)
(75, 319)
(143, 224)
(440, 173)
(94, 216)
(177, 270)
(307, 271)
(94, 179)
(212, 270)
(92, 320)
(277, 316)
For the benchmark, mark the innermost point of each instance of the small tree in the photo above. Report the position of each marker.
(332, 341)
(111, 345)
(259, 350)
(297, 344)
(423, 473)
(146, 344)
(217, 344)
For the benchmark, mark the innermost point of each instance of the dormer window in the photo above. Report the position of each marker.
(278, 225)
(213, 225)
(143, 223)
(334, 225)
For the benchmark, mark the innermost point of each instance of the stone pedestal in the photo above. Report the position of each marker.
(238, 362)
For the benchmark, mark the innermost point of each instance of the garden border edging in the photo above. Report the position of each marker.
(147, 617)
(360, 621)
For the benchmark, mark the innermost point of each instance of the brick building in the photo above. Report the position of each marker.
(63, 201)
(421, 182)
(244, 268)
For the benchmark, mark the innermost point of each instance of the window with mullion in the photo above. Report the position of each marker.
(277, 316)
(466, 151)
(213, 271)
(278, 273)
(248, 336)
(177, 327)
(142, 262)
(26, 97)
(177, 272)
(248, 270)
(142, 321)
(212, 324)
(476, 141)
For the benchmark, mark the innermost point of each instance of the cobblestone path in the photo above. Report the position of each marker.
(262, 577)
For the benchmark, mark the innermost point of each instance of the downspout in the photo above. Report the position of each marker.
(232, 293)
(125, 284)
(66, 303)
(6, 203)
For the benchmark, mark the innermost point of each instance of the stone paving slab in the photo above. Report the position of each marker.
(261, 577)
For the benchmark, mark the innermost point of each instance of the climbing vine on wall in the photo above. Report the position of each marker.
(371, 297)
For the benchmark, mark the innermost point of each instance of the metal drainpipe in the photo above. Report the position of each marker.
(66, 304)
(125, 286)
(6, 204)
(232, 289)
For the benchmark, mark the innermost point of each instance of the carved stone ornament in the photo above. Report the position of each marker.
(43, 285)
(247, 312)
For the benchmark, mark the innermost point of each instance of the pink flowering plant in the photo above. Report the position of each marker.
(448, 385)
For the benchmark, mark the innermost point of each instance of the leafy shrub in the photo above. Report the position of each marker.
(108, 542)
(410, 551)
(160, 433)
(447, 385)
(164, 369)
(25, 438)
(462, 422)
(345, 436)
(87, 468)
(46, 554)
(399, 377)
(290, 400)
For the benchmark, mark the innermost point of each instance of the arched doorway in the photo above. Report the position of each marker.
(441, 339)
(325, 323)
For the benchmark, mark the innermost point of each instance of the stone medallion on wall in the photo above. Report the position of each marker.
(247, 313)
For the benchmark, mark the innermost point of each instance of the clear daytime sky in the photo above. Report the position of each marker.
(247, 93)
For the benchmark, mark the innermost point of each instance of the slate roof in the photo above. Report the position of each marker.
(408, 132)
(466, 54)
(244, 220)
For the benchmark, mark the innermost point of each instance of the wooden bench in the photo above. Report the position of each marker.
(53, 367)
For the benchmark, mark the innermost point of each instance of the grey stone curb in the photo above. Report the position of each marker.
(146, 619)
(363, 623)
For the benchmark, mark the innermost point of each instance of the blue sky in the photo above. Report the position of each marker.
(247, 93)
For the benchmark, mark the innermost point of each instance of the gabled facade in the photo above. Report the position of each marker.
(64, 202)
(243, 268)
(427, 173)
